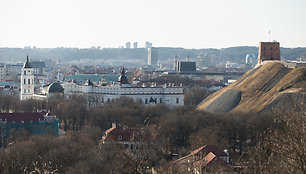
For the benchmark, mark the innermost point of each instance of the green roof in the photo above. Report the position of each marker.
(93, 77)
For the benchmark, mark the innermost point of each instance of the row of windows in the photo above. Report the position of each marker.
(146, 100)
(160, 100)
(29, 81)
(25, 72)
(25, 91)
(120, 137)
(131, 146)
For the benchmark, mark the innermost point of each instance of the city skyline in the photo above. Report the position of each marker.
(168, 23)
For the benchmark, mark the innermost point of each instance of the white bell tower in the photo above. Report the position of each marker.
(26, 81)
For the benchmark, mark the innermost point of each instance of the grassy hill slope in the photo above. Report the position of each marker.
(258, 88)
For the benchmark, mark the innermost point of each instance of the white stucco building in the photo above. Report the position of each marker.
(168, 95)
(97, 95)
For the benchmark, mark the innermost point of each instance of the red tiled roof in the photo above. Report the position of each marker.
(110, 130)
(182, 158)
(203, 151)
(212, 163)
(107, 132)
(126, 134)
(22, 117)
(207, 159)
(209, 148)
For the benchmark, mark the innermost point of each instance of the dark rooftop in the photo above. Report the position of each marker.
(22, 117)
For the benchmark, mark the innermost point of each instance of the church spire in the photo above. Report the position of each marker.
(122, 78)
(27, 64)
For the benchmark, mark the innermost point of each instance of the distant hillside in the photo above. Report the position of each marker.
(139, 55)
(268, 87)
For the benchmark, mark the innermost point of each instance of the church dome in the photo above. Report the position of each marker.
(55, 88)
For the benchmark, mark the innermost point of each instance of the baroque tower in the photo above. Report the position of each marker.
(26, 81)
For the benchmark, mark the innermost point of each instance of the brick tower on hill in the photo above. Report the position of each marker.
(268, 51)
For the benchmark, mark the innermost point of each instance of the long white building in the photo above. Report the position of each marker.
(147, 95)
(168, 95)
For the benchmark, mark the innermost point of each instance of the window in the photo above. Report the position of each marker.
(29, 90)
(132, 146)
(29, 81)
(119, 137)
(24, 72)
(177, 100)
(146, 101)
(126, 146)
(160, 100)
(24, 91)
(24, 81)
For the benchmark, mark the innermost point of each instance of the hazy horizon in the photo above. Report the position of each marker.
(165, 23)
(31, 46)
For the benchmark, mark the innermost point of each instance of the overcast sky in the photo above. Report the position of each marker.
(171, 23)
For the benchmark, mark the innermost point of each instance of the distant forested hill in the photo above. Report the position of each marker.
(166, 54)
